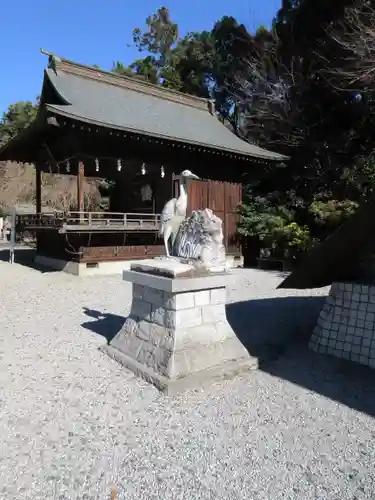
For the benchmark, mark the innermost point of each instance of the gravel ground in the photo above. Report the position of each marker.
(73, 423)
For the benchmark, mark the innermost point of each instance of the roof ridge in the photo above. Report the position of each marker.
(132, 83)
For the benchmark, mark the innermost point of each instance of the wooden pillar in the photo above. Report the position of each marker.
(38, 194)
(80, 187)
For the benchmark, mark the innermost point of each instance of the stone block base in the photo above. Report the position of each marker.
(177, 335)
(346, 325)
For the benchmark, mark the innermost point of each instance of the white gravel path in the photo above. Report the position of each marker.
(73, 422)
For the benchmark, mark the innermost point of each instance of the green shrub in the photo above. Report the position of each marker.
(332, 213)
(280, 235)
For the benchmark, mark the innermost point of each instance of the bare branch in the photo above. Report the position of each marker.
(348, 58)
(263, 92)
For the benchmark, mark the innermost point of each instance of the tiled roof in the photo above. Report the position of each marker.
(95, 96)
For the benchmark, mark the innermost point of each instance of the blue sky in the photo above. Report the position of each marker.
(96, 32)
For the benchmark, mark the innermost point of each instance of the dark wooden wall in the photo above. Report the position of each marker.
(223, 199)
(125, 196)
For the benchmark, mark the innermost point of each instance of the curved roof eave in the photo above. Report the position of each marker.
(59, 110)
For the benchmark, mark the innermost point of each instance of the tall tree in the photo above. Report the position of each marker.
(158, 39)
(16, 119)
(192, 60)
(306, 88)
(231, 44)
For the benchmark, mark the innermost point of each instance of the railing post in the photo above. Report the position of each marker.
(38, 193)
(80, 190)
(12, 235)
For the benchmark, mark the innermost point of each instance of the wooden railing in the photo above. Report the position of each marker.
(46, 219)
(89, 221)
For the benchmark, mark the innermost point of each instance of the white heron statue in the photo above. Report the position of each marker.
(174, 211)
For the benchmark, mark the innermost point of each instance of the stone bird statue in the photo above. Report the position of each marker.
(174, 211)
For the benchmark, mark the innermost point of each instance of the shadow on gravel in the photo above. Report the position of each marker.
(278, 330)
(266, 326)
(25, 257)
(104, 324)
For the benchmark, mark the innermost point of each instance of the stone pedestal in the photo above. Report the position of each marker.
(346, 325)
(177, 335)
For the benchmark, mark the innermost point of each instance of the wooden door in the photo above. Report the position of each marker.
(223, 199)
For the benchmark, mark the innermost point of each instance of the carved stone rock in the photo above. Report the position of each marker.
(200, 240)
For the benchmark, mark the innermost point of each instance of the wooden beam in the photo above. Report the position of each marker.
(80, 187)
(38, 194)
